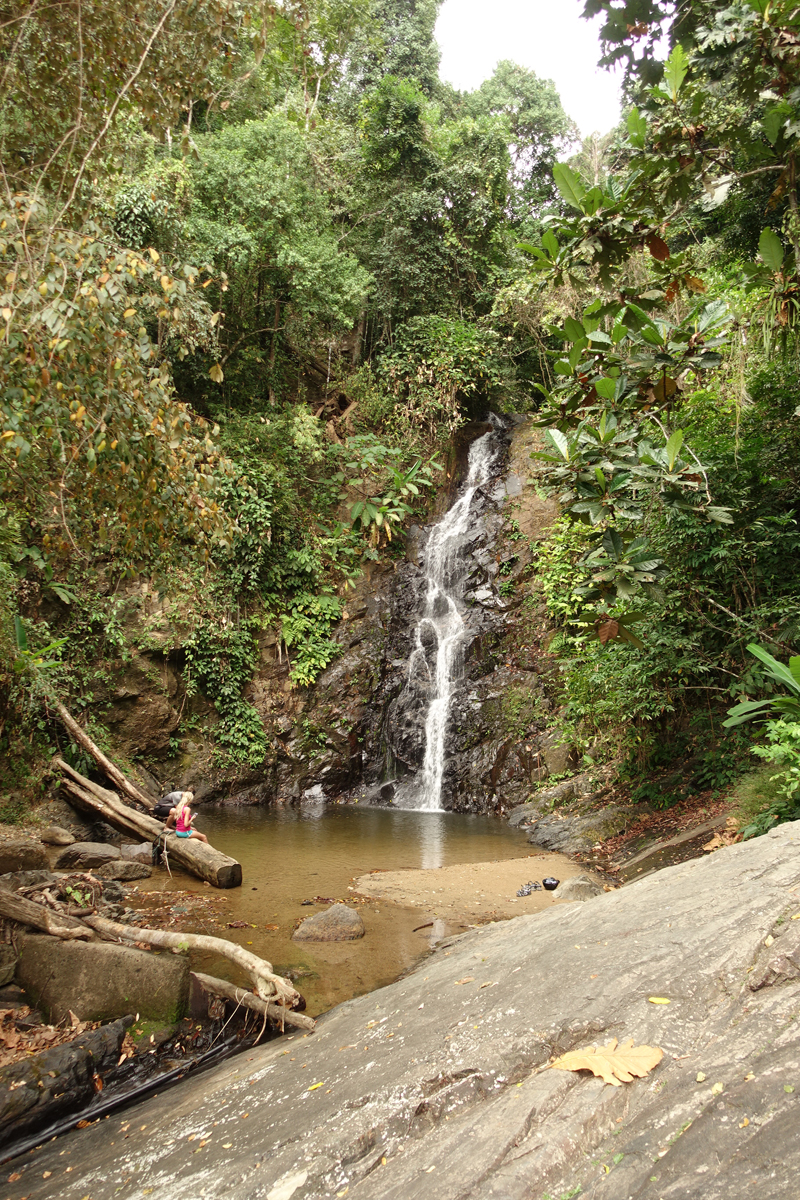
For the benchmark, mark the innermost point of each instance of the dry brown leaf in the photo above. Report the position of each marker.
(614, 1063)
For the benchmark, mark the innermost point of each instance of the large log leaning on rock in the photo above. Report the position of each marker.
(229, 991)
(194, 856)
(112, 771)
(268, 985)
(27, 912)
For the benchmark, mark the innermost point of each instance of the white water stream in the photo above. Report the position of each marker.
(441, 617)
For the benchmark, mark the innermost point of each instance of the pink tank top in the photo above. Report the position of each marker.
(183, 823)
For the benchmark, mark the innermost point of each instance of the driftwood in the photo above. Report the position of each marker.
(268, 985)
(113, 772)
(229, 991)
(194, 856)
(28, 912)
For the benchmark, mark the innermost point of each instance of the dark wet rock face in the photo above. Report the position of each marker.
(44, 1087)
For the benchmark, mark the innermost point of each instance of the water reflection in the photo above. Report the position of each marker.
(432, 833)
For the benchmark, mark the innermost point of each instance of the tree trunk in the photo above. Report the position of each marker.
(194, 856)
(229, 991)
(267, 983)
(113, 772)
(28, 912)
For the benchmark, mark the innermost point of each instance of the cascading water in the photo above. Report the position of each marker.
(438, 636)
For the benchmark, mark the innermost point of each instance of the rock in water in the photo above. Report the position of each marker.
(124, 870)
(337, 924)
(580, 887)
(142, 852)
(54, 835)
(86, 854)
(19, 854)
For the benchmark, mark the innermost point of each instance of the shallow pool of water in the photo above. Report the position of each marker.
(291, 854)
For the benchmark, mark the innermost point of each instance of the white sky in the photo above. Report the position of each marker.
(548, 36)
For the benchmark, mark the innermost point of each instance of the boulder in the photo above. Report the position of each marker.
(20, 879)
(580, 887)
(100, 981)
(84, 855)
(54, 835)
(21, 854)
(142, 852)
(336, 924)
(46, 1086)
(124, 870)
(8, 963)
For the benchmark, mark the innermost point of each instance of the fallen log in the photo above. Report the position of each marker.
(277, 1012)
(266, 982)
(28, 912)
(196, 857)
(112, 771)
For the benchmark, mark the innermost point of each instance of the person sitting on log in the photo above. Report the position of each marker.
(166, 804)
(181, 819)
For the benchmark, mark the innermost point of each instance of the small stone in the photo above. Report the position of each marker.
(54, 835)
(336, 924)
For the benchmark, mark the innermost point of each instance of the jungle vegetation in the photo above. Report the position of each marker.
(260, 262)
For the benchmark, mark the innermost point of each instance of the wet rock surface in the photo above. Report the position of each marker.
(337, 924)
(124, 870)
(49, 1085)
(439, 1085)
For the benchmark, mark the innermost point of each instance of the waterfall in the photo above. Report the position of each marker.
(438, 636)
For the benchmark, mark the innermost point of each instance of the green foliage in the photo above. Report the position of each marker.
(221, 659)
(785, 676)
(305, 627)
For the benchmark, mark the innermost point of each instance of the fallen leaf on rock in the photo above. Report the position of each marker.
(238, 925)
(615, 1063)
(314, 1086)
(466, 979)
(716, 1089)
(700, 1077)
(227, 1145)
(657, 1000)
(489, 983)
(13, 1178)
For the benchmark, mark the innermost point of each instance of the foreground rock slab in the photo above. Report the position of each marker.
(438, 1085)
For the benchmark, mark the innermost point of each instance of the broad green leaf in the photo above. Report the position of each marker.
(794, 667)
(773, 122)
(574, 330)
(770, 249)
(776, 669)
(613, 544)
(637, 130)
(559, 441)
(606, 388)
(550, 244)
(760, 6)
(569, 185)
(675, 71)
(20, 635)
(562, 368)
(743, 712)
(673, 448)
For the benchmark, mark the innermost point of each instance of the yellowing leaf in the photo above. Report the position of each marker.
(153, 254)
(700, 1076)
(7, 314)
(216, 373)
(314, 1086)
(716, 1089)
(614, 1063)
(657, 1000)
(466, 979)
(129, 312)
